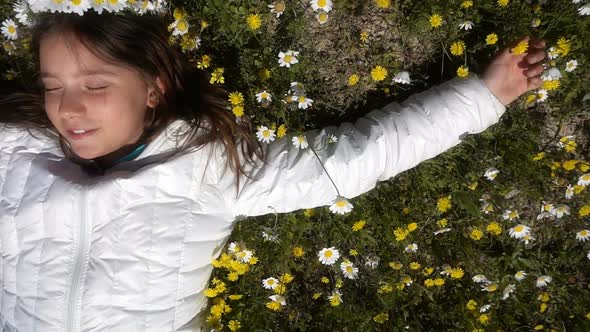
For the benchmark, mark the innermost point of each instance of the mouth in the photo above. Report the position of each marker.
(78, 134)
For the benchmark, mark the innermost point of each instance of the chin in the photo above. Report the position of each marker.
(87, 153)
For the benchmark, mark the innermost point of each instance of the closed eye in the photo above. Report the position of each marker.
(98, 88)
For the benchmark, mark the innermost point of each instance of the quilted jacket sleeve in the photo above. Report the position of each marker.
(375, 148)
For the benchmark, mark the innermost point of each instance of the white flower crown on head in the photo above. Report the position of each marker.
(24, 9)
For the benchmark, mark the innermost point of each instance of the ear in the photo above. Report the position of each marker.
(152, 96)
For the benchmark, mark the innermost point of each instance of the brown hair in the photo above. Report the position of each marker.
(141, 44)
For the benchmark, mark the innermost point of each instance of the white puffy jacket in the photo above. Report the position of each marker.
(131, 250)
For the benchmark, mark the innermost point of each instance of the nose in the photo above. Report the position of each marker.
(70, 105)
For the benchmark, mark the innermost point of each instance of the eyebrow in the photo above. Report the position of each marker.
(86, 72)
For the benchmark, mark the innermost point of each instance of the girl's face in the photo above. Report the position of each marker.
(84, 92)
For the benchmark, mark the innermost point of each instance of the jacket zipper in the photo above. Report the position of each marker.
(73, 319)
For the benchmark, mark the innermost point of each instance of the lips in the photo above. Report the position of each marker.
(85, 134)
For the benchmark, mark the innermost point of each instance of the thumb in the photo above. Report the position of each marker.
(534, 83)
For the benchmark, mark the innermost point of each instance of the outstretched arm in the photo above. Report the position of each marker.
(381, 144)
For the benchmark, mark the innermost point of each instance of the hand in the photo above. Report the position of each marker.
(509, 76)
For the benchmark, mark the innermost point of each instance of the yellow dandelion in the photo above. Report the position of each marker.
(491, 39)
(235, 297)
(439, 282)
(400, 234)
(463, 71)
(494, 228)
(539, 156)
(264, 74)
(234, 325)
(457, 48)
(471, 305)
(457, 273)
(254, 22)
(584, 211)
(357, 226)
(467, 4)
(273, 305)
(383, 3)
(378, 73)
(436, 20)
(415, 266)
(551, 85)
(443, 204)
(353, 79)
(521, 48)
(503, 3)
(412, 227)
(563, 46)
(381, 318)
(238, 110)
(484, 319)
(282, 131)
(476, 234)
(236, 98)
(364, 37)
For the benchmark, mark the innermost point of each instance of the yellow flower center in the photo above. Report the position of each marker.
(181, 26)
(584, 233)
(113, 2)
(328, 253)
(58, 2)
(271, 282)
(266, 133)
(323, 17)
(11, 29)
(76, 2)
(301, 139)
(264, 95)
(280, 6)
(301, 99)
(349, 269)
(322, 3)
(288, 58)
(341, 204)
(518, 228)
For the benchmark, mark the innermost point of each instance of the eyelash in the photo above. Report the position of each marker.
(89, 88)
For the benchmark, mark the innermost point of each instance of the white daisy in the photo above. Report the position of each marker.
(322, 17)
(115, 5)
(263, 96)
(98, 5)
(485, 308)
(78, 6)
(300, 142)
(270, 283)
(543, 215)
(297, 88)
(21, 8)
(480, 278)
(569, 192)
(560, 210)
(584, 180)
(546, 207)
(551, 74)
(244, 256)
(336, 297)
(519, 231)
(541, 95)
(571, 65)
(303, 102)
(442, 230)
(332, 139)
(507, 291)
(233, 247)
(588, 255)
(526, 239)
(349, 270)
(520, 275)
(341, 206)
(277, 7)
(269, 237)
(180, 27)
(37, 5)
(402, 77)
(552, 53)
(487, 207)
(543, 281)
(576, 1)
(411, 248)
(372, 262)
(59, 6)
(466, 25)
(328, 256)
(279, 299)
(566, 140)
(265, 135)
(9, 29)
(491, 173)
(584, 10)
(583, 235)
(286, 59)
(510, 215)
(325, 5)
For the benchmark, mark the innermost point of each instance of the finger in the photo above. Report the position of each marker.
(533, 70)
(534, 56)
(538, 43)
(534, 83)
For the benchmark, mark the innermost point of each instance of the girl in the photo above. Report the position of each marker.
(120, 177)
